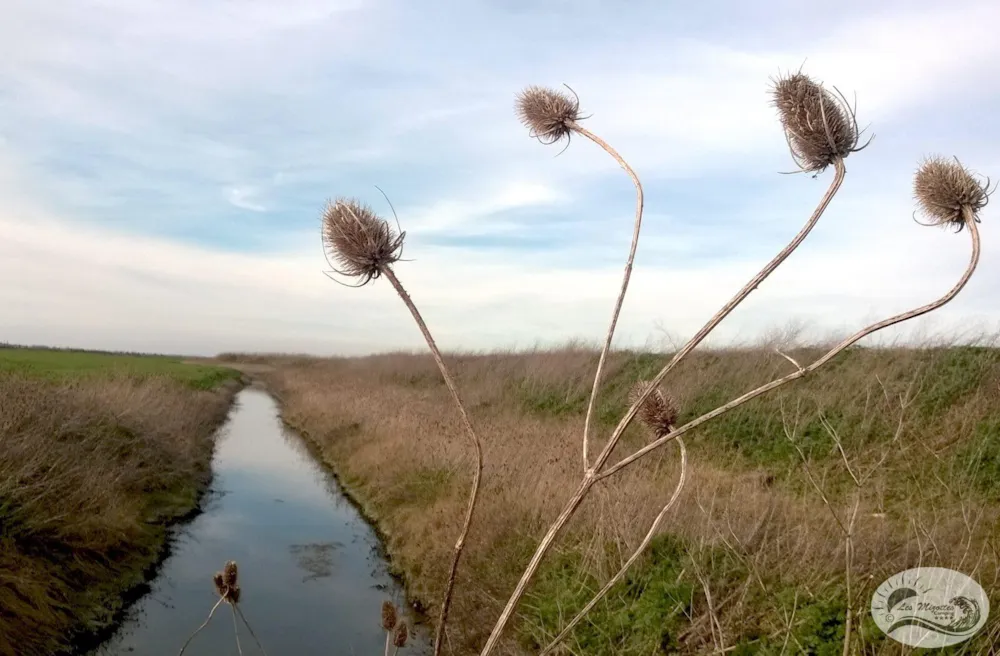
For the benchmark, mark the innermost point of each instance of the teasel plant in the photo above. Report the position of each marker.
(227, 586)
(360, 244)
(822, 131)
(396, 632)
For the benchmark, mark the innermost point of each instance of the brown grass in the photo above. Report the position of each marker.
(91, 472)
(753, 531)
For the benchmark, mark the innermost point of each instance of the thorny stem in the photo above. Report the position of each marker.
(591, 475)
(474, 492)
(203, 625)
(621, 295)
(864, 332)
(634, 557)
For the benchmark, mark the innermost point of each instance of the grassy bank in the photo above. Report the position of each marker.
(99, 454)
(751, 558)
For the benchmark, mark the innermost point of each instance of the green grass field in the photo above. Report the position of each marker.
(56, 364)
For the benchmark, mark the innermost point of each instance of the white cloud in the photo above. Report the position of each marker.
(88, 287)
(470, 214)
(244, 198)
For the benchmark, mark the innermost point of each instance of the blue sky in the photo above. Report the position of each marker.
(163, 166)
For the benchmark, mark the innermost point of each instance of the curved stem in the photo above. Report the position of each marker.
(474, 493)
(838, 179)
(590, 476)
(634, 557)
(621, 294)
(203, 625)
(763, 389)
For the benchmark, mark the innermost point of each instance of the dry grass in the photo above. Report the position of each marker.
(92, 469)
(749, 533)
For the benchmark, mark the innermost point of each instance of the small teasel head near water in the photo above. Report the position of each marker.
(948, 194)
(226, 583)
(389, 617)
(658, 412)
(231, 574)
(820, 126)
(400, 635)
(219, 579)
(361, 242)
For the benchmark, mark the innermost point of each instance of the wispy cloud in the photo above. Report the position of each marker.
(243, 198)
(162, 167)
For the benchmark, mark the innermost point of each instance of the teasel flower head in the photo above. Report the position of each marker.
(400, 635)
(948, 194)
(658, 412)
(389, 618)
(820, 126)
(360, 241)
(548, 114)
(230, 574)
(220, 583)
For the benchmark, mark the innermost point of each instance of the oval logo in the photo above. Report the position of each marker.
(930, 607)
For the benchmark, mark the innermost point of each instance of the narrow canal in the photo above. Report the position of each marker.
(311, 570)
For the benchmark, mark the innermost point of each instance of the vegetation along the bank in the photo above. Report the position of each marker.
(99, 454)
(750, 556)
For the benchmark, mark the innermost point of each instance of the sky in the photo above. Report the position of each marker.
(164, 165)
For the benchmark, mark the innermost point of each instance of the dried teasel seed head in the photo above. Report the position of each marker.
(359, 240)
(233, 594)
(230, 574)
(220, 583)
(658, 412)
(820, 127)
(548, 114)
(388, 615)
(400, 635)
(946, 190)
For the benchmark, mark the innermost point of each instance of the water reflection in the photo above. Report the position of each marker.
(312, 578)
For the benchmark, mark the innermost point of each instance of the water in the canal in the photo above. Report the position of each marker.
(311, 573)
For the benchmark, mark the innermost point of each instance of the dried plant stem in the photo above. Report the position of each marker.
(763, 389)
(838, 179)
(847, 530)
(591, 475)
(621, 294)
(203, 625)
(470, 431)
(634, 557)
(388, 642)
(848, 565)
(236, 631)
(250, 629)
